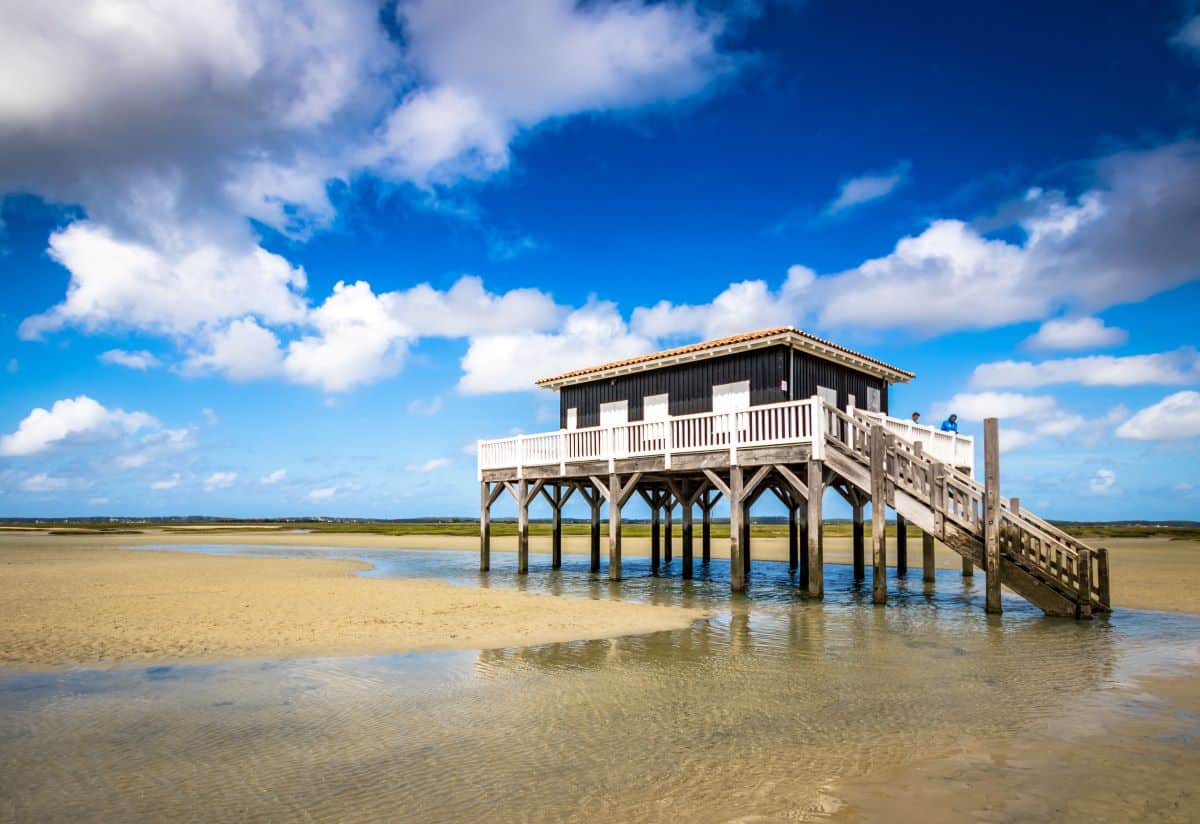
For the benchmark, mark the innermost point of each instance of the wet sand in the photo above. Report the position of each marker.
(65, 602)
(1147, 573)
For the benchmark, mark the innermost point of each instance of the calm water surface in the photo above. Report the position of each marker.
(774, 709)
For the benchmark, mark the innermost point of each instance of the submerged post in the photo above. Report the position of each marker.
(737, 572)
(655, 546)
(614, 527)
(991, 513)
(802, 514)
(878, 516)
(927, 558)
(556, 503)
(668, 506)
(858, 540)
(485, 527)
(901, 546)
(815, 551)
(594, 558)
(686, 513)
(522, 527)
(793, 537)
(706, 528)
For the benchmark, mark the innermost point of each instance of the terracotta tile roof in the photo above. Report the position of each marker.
(718, 343)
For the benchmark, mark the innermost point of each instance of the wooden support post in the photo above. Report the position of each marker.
(655, 545)
(668, 507)
(927, 558)
(878, 515)
(485, 527)
(522, 527)
(1103, 583)
(793, 538)
(968, 568)
(746, 537)
(858, 541)
(706, 529)
(1084, 594)
(687, 535)
(737, 570)
(901, 546)
(815, 551)
(614, 527)
(556, 528)
(802, 513)
(594, 554)
(991, 513)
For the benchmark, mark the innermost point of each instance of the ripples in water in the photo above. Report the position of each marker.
(763, 711)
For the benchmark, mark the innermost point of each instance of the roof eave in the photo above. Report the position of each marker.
(790, 337)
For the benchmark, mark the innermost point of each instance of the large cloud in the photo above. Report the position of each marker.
(1165, 368)
(1174, 417)
(71, 420)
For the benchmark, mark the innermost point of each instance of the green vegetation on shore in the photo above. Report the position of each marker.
(767, 527)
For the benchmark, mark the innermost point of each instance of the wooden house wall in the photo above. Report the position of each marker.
(689, 385)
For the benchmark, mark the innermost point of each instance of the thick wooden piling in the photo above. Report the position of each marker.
(927, 558)
(991, 513)
(901, 546)
(816, 561)
(485, 527)
(655, 525)
(802, 512)
(556, 537)
(793, 538)
(878, 516)
(594, 549)
(737, 570)
(522, 527)
(668, 531)
(858, 540)
(686, 515)
(706, 506)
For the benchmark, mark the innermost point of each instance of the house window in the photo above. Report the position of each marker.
(828, 395)
(851, 402)
(572, 418)
(729, 397)
(614, 413)
(654, 408)
(873, 399)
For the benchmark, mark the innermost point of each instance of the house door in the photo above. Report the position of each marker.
(614, 413)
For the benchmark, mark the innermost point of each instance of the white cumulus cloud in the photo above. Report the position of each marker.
(1162, 368)
(1076, 333)
(1175, 417)
(78, 419)
(219, 480)
(140, 360)
(272, 478)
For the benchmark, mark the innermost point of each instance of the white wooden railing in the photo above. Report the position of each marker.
(947, 447)
(792, 422)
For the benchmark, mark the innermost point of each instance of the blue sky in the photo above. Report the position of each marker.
(266, 258)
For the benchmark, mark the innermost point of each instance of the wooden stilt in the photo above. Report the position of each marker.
(927, 558)
(686, 501)
(556, 528)
(594, 553)
(859, 541)
(901, 546)
(522, 527)
(968, 569)
(816, 561)
(991, 513)
(668, 506)
(793, 538)
(878, 515)
(710, 499)
(746, 538)
(655, 545)
(616, 493)
(737, 569)
(485, 526)
(803, 515)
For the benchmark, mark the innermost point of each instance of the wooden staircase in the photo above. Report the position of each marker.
(1056, 572)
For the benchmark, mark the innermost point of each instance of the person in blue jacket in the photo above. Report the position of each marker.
(950, 424)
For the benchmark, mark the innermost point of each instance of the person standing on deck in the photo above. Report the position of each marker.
(916, 417)
(950, 424)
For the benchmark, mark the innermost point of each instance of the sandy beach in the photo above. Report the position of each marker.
(66, 602)
(1148, 573)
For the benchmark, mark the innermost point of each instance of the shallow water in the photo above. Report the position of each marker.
(774, 709)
